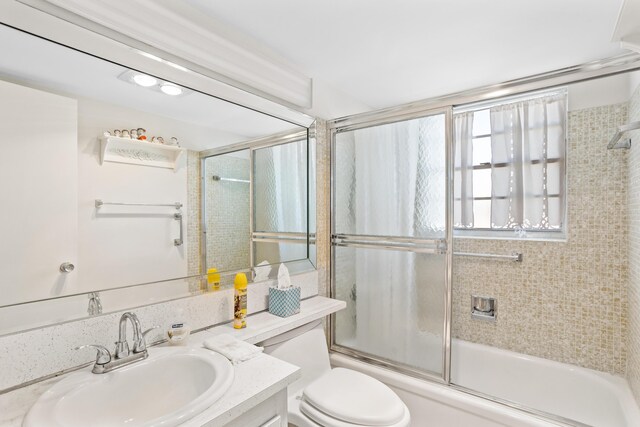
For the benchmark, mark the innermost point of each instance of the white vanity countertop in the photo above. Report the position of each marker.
(254, 380)
(264, 325)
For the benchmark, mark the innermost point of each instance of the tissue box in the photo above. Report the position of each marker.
(284, 302)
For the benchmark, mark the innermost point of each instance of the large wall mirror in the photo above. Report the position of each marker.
(268, 187)
(112, 197)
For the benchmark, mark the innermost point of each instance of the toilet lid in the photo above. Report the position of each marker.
(355, 398)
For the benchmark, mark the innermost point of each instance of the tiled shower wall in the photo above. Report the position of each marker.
(567, 301)
(222, 198)
(633, 344)
(323, 205)
(193, 212)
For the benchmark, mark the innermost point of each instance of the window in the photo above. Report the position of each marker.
(509, 178)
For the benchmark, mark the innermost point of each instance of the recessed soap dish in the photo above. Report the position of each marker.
(484, 308)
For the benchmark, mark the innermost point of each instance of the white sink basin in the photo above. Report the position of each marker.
(166, 389)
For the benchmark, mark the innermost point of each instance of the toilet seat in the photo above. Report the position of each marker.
(315, 418)
(347, 398)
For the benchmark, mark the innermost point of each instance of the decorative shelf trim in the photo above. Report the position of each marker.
(125, 150)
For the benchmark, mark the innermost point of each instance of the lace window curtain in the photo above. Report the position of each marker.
(527, 147)
(527, 165)
(463, 167)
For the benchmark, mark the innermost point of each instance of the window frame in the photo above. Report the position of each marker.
(560, 234)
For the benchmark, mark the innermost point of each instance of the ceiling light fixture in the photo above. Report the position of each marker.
(145, 80)
(140, 79)
(172, 90)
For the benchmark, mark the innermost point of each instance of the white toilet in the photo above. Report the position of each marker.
(326, 397)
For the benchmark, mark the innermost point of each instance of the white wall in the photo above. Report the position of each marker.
(604, 91)
(127, 245)
(112, 247)
(38, 177)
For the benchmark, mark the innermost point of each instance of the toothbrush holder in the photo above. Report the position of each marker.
(284, 302)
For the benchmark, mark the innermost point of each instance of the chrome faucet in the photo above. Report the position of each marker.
(122, 356)
(122, 346)
(95, 305)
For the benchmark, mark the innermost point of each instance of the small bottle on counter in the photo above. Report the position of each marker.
(213, 279)
(178, 333)
(240, 301)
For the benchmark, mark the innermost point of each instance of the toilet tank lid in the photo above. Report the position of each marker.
(356, 398)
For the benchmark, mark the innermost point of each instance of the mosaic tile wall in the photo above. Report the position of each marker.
(567, 301)
(633, 343)
(193, 212)
(323, 205)
(222, 198)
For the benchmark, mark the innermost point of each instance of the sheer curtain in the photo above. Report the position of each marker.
(463, 170)
(280, 194)
(527, 164)
(524, 137)
(385, 176)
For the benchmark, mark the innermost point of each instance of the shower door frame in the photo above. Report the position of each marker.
(605, 67)
(389, 117)
(256, 236)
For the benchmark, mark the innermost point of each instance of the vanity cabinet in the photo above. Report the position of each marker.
(270, 413)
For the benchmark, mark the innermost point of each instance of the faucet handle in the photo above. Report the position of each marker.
(144, 334)
(103, 357)
(142, 344)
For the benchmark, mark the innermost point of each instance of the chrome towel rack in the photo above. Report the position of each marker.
(395, 243)
(218, 178)
(626, 143)
(516, 256)
(283, 237)
(177, 216)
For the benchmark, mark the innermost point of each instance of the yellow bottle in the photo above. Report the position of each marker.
(240, 301)
(213, 279)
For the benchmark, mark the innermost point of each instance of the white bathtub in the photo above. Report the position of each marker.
(589, 397)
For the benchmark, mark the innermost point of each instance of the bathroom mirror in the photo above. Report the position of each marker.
(103, 184)
(256, 204)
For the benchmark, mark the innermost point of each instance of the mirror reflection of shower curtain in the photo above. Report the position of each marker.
(390, 180)
(280, 198)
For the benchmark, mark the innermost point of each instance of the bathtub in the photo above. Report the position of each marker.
(588, 397)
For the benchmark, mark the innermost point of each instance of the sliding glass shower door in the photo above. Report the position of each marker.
(391, 242)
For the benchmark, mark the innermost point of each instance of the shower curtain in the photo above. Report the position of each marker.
(396, 188)
(281, 193)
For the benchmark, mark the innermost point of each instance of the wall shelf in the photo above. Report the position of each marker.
(132, 151)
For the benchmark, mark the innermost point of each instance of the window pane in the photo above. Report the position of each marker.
(525, 132)
(553, 178)
(555, 142)
(555, 212)
(481, 122)
(482, 183)
(482, 150)
(482, 213)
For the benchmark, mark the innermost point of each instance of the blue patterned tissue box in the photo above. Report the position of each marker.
(284, 302)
